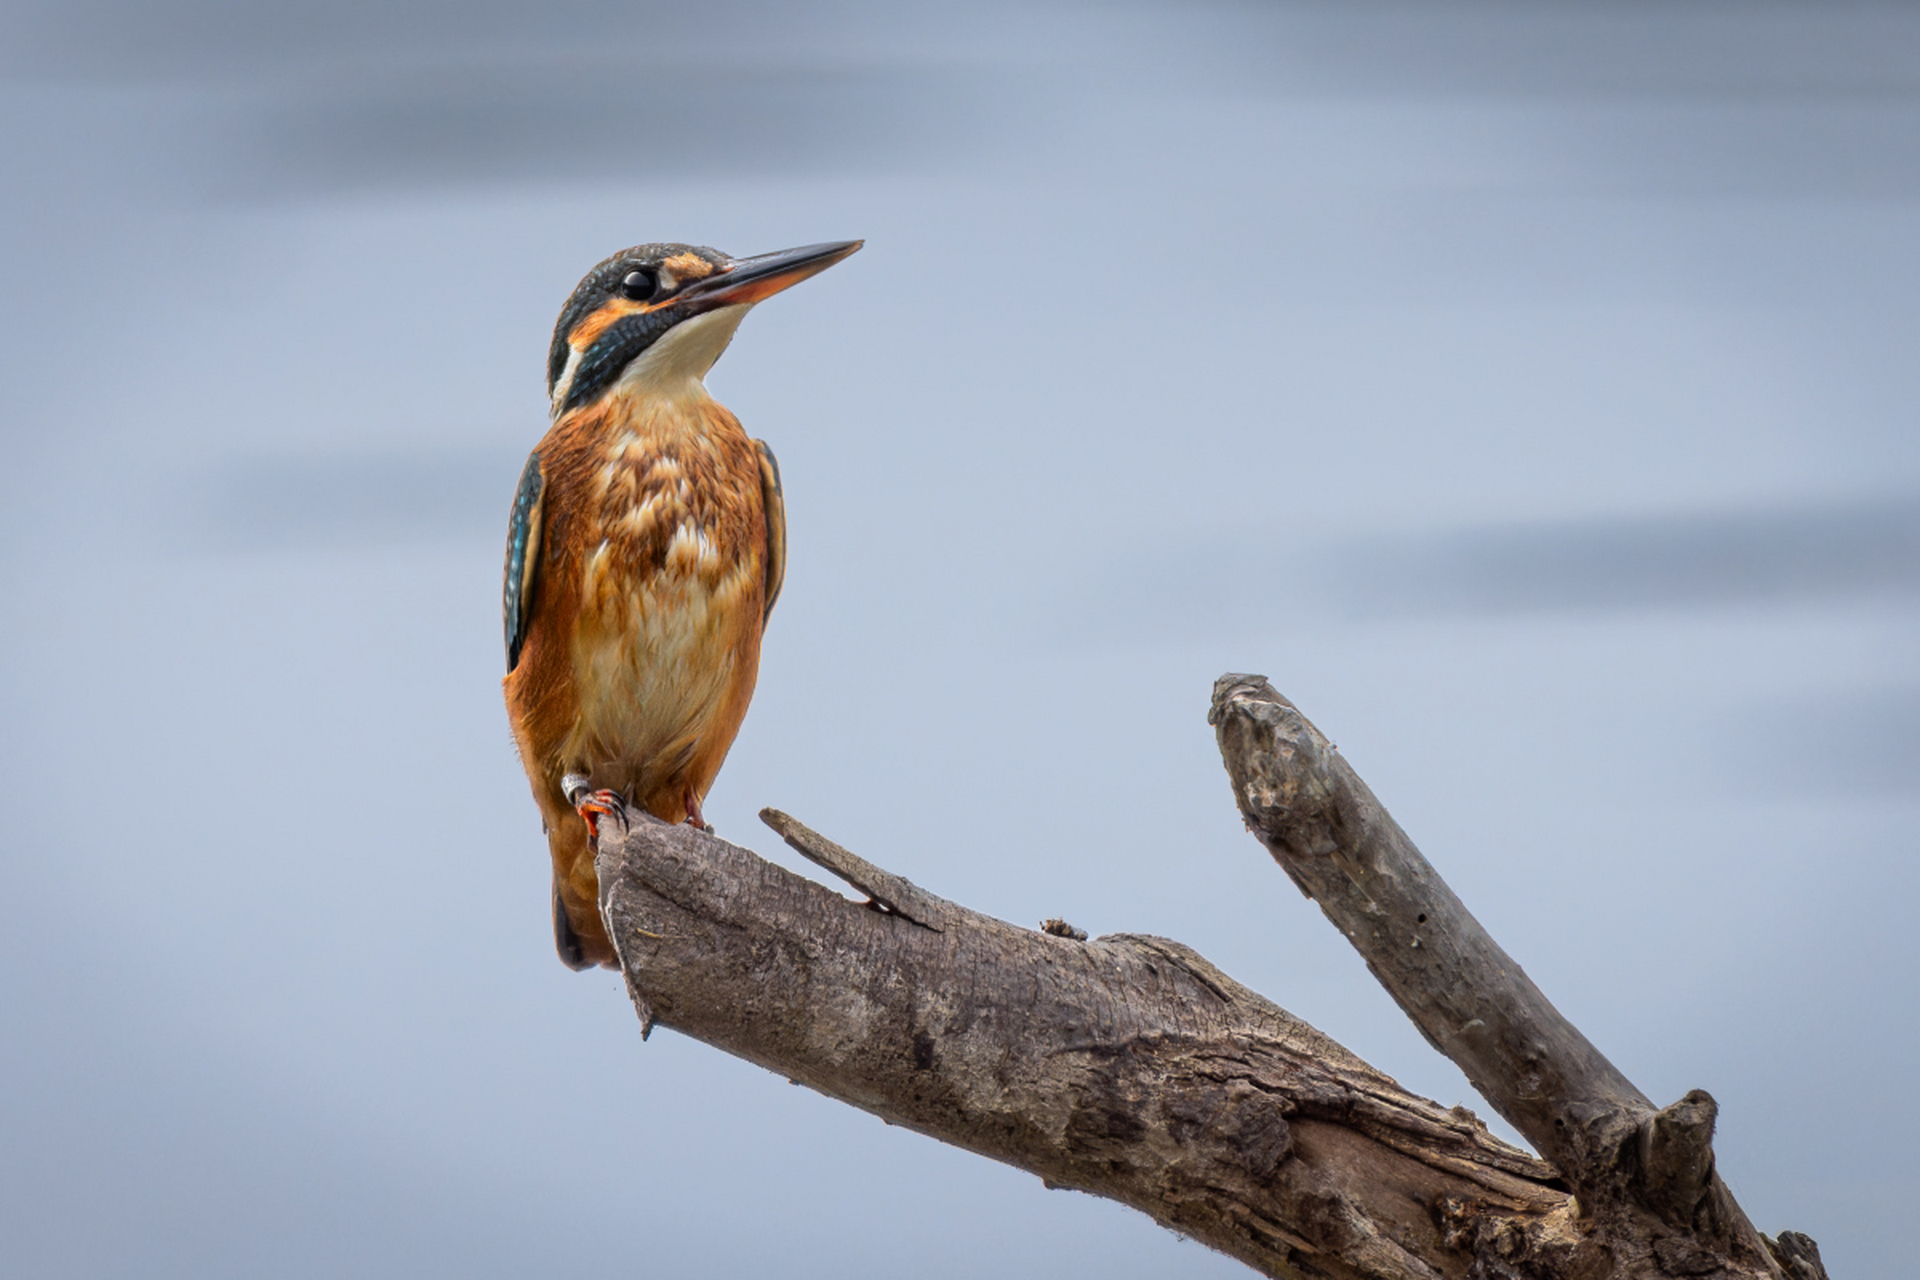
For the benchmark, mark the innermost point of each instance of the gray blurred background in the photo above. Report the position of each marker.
(1527, 389)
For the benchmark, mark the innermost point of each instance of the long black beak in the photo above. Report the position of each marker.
(752, 279)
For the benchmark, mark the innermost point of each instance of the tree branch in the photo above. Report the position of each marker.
(1129, 1067)
(1624, 1159)
(1468, 997)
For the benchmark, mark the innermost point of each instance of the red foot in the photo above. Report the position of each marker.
(594, 805)
(694, 819)
(598, 805)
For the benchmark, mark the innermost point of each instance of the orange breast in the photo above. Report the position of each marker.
(670, 569)
(643, 644)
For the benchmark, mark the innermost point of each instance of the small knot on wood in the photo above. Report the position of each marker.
(1231, 688)
(1798, 1256)
(1676, 1159)
(1276, 759)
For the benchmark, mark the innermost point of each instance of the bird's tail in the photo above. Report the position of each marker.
(579, 935)
(572, 948)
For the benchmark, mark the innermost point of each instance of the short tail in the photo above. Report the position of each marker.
(573, 953)
(579, 936)
(577, 951)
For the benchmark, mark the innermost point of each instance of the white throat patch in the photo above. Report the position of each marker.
(677, 363)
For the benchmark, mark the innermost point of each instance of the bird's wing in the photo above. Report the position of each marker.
(775, 503)
(523, 556)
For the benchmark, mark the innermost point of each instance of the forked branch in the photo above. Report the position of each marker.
(1129, 1067)
(1645, 1176)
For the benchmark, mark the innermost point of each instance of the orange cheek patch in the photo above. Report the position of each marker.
(596, 324)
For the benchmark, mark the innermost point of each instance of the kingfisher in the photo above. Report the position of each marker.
(645, 548)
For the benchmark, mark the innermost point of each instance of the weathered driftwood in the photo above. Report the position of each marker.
(1126, 1066)
(1129, 1067)
(1644, 1177)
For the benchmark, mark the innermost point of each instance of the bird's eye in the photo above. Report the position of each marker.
(639, 285)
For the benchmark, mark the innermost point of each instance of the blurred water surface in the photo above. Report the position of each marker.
(1528, 391)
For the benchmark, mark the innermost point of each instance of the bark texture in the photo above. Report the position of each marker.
(1129, 1067)
(1644, 1177)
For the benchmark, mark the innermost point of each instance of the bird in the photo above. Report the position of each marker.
(646, 545)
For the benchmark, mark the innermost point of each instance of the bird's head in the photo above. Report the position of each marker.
(656, 317)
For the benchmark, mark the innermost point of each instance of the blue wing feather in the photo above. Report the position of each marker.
(523, 556)
(773, 501)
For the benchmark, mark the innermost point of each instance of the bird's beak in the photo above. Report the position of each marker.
(750, 280)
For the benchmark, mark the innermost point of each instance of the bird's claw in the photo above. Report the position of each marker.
(593, 805)
(695, 818)
(597, 805)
